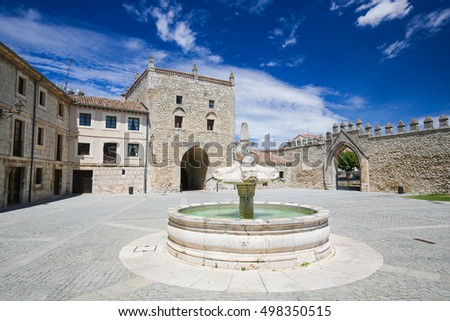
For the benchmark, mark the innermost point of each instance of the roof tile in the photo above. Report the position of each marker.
(108, 103)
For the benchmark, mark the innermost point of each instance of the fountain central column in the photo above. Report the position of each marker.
(246, 192)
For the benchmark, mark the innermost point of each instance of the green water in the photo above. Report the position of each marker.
(262, 211)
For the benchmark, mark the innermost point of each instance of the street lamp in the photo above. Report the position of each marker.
(16, 109)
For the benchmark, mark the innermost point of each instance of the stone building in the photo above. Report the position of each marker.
(192, 125)
(306, 139)
(33, 152)
(108, 145)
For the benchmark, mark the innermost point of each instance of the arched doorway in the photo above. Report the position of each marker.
(347, 167)
(194, 166)
(341, 144)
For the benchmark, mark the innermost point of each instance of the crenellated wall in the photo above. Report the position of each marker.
(416, 159)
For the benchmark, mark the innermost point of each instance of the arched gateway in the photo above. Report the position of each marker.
(194, 166)
(341, 143)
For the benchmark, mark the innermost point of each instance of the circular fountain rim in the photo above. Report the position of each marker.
(321, 214)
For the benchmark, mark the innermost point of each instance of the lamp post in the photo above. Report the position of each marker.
(15, 110)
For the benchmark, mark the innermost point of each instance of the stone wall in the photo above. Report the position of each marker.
(417, 160)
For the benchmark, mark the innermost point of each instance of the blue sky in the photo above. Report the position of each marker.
(299, 65)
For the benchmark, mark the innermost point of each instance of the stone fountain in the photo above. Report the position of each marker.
(248, 234)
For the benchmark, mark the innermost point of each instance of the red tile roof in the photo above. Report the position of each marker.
(108, 103)
(269, 159)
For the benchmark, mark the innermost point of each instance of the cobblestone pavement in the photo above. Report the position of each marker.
(69, 249)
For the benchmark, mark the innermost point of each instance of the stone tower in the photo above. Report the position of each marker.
(192, 125)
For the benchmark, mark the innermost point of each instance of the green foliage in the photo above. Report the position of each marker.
(433, 197)
(347, 161)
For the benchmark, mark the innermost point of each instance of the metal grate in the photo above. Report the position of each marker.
(145, 248)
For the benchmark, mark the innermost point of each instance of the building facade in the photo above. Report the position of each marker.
(33, 149)
(108, 145)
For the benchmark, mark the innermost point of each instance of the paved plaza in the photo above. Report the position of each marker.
(69, 249)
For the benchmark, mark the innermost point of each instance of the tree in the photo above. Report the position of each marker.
(347, 161)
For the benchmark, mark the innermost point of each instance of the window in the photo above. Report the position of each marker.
(281, 174)
(109, 152)
(133, 150)
(211, 104)
(40, 136)
(85, 119)
(133, 123)
(178, 121)
(83, 149)
(22, 86)
(38, 177)
(42, 98)
(111, 122)
(18, 138)
(210, 124)
(59, 147)
(60, 110)
(179, 100)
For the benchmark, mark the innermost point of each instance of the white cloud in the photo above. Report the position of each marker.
(337, 5)
(252, 6)
(286, 34)
(393, 49)
(172, 26)
(270, 105)
(383, 10)
(428, 24)
(49, 45)
(290, 62)
(422, 25)
(103, 64)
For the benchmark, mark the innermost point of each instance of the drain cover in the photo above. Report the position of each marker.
(146, 248)
(425, 241)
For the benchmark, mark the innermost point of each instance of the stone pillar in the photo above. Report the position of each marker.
(377, 130)
(335, 128)
(428, 123)
(246, 192)
(195, 71)
(151, 62)
(244, 133)
(343, 127)
(401, 127)
(359, 126)
(350, 126)
(231, 78)
(443, 121)
(388, 128)
(328, 136)
(414, 125)
(369, 129)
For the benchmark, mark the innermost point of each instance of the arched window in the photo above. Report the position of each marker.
(210, 121)
(178, 116)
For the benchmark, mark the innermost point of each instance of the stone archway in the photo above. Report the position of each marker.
(194, 166)
(341, 143)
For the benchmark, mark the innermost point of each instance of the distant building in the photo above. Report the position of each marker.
(306, 139)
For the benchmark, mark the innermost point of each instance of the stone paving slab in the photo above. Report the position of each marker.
(69, 249)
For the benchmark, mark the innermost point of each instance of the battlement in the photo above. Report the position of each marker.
(368, 130)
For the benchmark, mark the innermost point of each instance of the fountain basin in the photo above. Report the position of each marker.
(301, 237)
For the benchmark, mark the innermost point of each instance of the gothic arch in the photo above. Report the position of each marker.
(343, 141)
